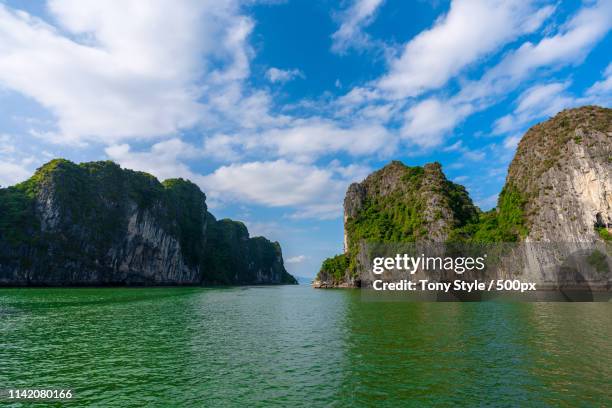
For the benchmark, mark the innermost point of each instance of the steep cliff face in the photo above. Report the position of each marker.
(563, 169)
(237, 258)
(558, 190)
(397, 203)
(405, 203)
(98, 224)
(562, 172)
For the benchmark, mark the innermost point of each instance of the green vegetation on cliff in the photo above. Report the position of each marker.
(186, 205)
(506, 223)
(111, 221)
(386, 219)
(93, 195)
(400, 204)
(334, 268)
(604, 233)
(546, 171)
(16, 209)
(399, 215)
(558, 179)
(423, 206)
(230, 252)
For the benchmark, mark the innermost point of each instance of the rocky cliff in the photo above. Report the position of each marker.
(397, 203)
(563, 170)
(558, 190)
(97, 224)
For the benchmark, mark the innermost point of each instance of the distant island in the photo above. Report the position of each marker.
(95, 223)
(558, 190)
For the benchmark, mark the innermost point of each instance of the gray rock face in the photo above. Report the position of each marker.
(353, 203)
(564, 168)
(97, 224)
(557, 208)
(148, 249)
(397, 203)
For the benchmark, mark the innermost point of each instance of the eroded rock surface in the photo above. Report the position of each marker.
(97, 224)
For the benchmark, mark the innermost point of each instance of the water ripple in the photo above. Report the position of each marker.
(281, 346)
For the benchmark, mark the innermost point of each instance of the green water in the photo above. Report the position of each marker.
(296, 346)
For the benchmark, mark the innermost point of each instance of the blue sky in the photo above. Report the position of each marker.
(274, 107)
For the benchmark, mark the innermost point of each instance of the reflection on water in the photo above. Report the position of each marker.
(298, 346)
(479, 353)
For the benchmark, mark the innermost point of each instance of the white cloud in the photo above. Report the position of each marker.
(468, 32)
(303, 140)
(269, 229)
(474, 155)
(427, 122)
(539, 101)
(504, 124)
(163, 160)
(6, 144)
(309, 139)
(466, 153)
(15, 165)
(222, 147)
(488, 202)
(283, 75)
(13, 172)
(235, 109)
(539, 97)
(353, 21)
(353, 172)
(313, 191)
(322, 211)
(274, 183)
(358, 96)
(601, 91)
(116, 70)
(511, 142)
(569, 45)
(296, 259)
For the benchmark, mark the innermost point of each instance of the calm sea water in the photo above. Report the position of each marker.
(296, 346)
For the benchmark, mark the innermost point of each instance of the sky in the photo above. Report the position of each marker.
(274, 107)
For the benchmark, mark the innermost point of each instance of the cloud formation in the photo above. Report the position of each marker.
(283, 75)
(353, 20)
(296, 259)
(539, 101)
(467, 33)
(601, 91)
(117, 70)
(168, 86)
(312, 191)
(568, 46)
